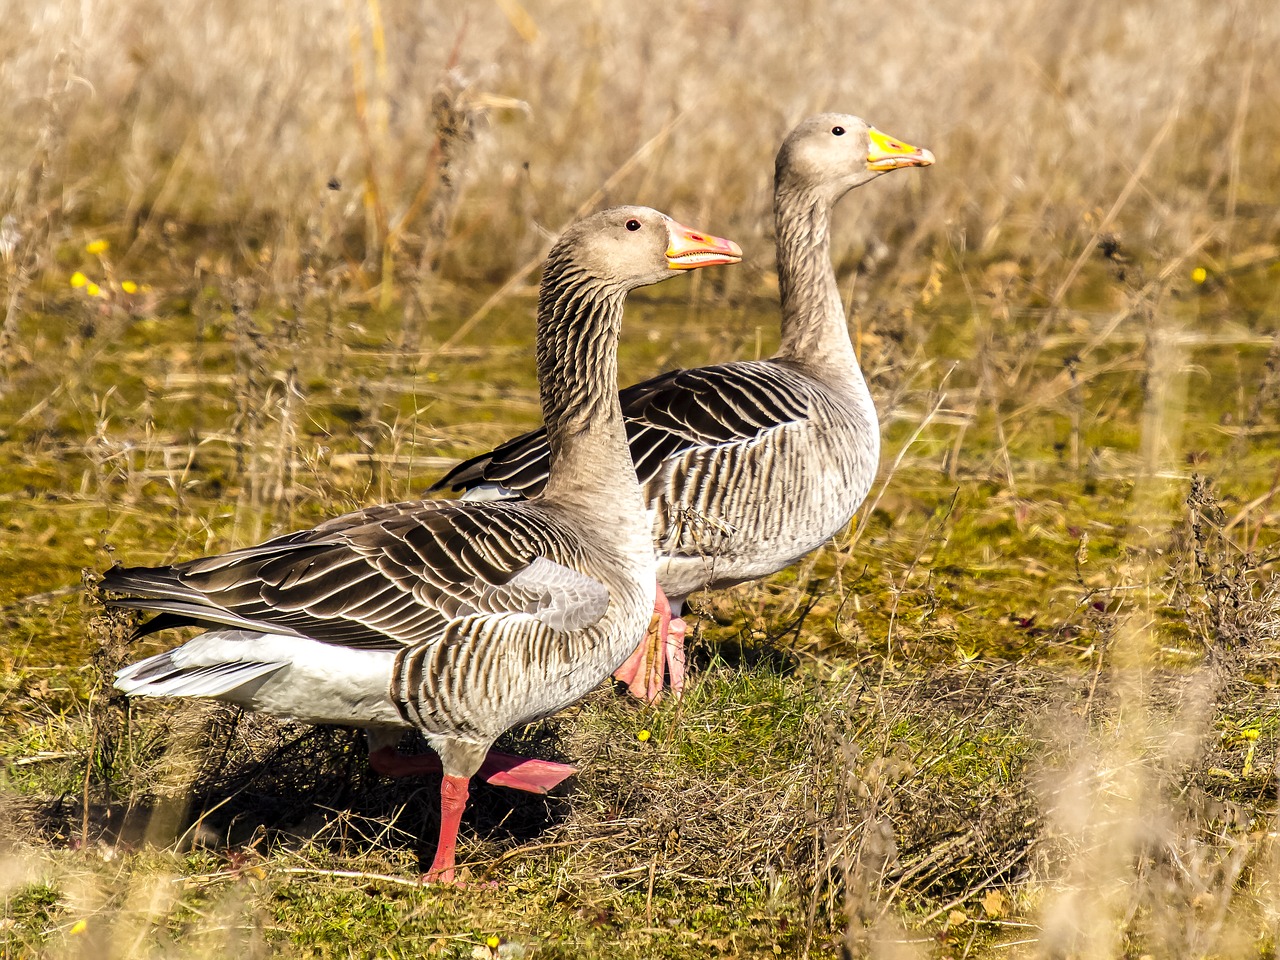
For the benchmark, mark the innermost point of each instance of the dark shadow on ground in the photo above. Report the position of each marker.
(271, 786)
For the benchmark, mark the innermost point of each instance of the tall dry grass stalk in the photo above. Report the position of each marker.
(1135, 855)
(1055, 122)
(287, 168)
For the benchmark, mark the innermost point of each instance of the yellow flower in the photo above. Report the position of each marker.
(1199, 275)
(92, 289)
(642, 736)
(78, 279)
(97, 247)
(492, 942)
(78, 927)
(128, 286)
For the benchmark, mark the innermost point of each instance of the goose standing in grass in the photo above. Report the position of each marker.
(459, 619)
(747, 466)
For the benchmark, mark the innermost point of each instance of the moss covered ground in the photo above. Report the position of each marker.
(885, 747)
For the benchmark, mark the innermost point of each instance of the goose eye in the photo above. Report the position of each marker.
(633, 224)
(838, 131)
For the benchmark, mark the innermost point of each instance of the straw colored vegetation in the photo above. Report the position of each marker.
(261, 263)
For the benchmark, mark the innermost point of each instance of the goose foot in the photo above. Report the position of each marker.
(661, 652)
(500, 769)
(524, 773)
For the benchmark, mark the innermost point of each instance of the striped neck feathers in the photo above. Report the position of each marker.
(579, 318)
(815, 333)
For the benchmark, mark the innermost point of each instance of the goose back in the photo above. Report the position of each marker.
(747, 466)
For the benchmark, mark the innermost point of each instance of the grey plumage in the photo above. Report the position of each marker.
(748, 466)
(468, 596)
(458, 619)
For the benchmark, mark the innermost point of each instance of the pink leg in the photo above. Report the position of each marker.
(453, 800)
(391, 763)
(643, 671)
(636, 664)
(674, 655)
(500, 769)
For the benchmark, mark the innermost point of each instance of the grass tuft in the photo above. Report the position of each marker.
(260, 264)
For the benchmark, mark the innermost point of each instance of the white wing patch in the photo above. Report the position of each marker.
(562, 598)
(489, 492)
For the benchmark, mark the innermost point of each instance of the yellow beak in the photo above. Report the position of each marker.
(689, 249)
(886, 153)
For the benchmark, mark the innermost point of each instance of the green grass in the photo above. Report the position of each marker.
(867, 736)
(1024, 706)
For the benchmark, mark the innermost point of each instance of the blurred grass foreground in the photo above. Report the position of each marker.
(262, 263)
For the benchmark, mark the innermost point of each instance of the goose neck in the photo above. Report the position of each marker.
(590, 468)
(815, 334)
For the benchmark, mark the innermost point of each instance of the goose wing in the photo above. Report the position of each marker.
(674, 414)
(383, 578)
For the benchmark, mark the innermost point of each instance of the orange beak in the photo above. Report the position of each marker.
(689, 249)
(886, 153)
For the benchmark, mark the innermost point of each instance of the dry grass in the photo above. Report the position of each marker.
(1024, 708)
(1058, 124)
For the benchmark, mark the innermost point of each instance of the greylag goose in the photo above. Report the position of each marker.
(458, 619)
(746, 466)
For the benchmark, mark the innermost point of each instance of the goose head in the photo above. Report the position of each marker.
(629, 247)
(832, 153)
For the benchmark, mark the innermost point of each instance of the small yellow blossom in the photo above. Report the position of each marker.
(92, 289)
(492, 942)
(642, 736)
(97, 247)
(79, 927)
(1199, 275)
(128, 286)
(1250, 734)
(78, 279)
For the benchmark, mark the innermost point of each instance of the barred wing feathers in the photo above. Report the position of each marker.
(676, 413)
(388, 577)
